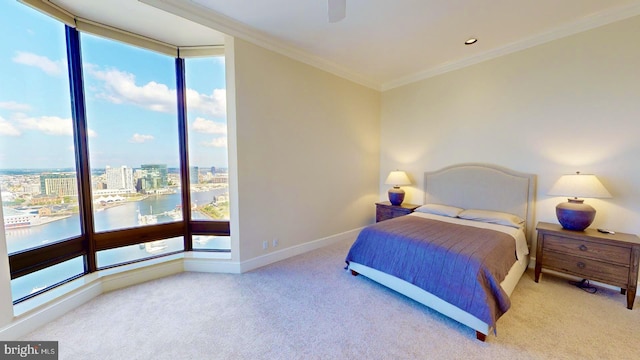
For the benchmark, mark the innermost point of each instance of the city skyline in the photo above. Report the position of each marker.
(71, 169)
(130, 95)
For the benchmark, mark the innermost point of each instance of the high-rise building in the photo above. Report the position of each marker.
(59, 184)
(153, 177)
(119, 178)
(194, 174)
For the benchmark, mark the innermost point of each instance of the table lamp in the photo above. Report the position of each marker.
(397, 178)
(575, 214)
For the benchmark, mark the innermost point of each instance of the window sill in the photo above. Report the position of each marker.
(89, 286)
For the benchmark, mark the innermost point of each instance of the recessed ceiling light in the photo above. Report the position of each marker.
(471, 41)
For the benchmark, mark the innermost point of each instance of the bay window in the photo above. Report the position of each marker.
(109, 153)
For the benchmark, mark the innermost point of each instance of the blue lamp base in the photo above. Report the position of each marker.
(396, 195)
(575, 214)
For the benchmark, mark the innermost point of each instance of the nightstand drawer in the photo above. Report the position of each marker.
(609, 258)
(386, 211)
(613, 274)
(581, 248)
(385, 214)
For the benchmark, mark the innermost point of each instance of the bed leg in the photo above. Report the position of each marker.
(354, 273)
(480, 336)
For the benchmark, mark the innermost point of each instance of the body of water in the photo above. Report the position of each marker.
(117, 217)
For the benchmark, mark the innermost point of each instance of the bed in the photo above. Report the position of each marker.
(461, 253)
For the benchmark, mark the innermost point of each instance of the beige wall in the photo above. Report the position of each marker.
(568, 105)
(307, 151)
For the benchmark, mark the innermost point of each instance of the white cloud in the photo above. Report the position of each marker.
(214, 104)
(205, 126)
(119, 87)
(139, 138)
(41, 62)
(14, 106)
(50, 125)
(7, 128)
(220, 142)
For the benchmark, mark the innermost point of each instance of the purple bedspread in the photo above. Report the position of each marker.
(462, 265)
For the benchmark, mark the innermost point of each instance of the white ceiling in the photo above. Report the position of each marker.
(142, 19)
(380, 43)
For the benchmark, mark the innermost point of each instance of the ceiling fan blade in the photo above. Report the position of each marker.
(337, 10)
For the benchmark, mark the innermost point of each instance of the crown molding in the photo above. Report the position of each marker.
(214, 20)
(207, 17)
(592, 22)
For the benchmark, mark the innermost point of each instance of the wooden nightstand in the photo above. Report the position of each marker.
(384, 210)
(609, 258)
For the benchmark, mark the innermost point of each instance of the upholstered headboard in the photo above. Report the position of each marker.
(486, 187)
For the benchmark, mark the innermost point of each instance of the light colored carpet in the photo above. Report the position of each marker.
(309, 307)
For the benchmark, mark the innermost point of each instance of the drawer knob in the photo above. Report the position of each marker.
(583, 248)
(581, 265)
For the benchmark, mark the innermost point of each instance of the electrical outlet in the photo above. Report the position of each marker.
(275, 242)
(265, 245)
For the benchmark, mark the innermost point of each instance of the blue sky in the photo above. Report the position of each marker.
(130, 95)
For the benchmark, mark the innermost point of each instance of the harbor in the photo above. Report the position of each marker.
(154, 209)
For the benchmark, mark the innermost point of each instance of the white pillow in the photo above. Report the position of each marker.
(438, 209)
(494, 217)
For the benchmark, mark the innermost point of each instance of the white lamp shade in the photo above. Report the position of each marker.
(397, 178)
(579, 186)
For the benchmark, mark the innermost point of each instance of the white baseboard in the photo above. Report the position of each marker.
(31, 320)
(195, 264)
(47, 307)
(283, 254)
(141, 275)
